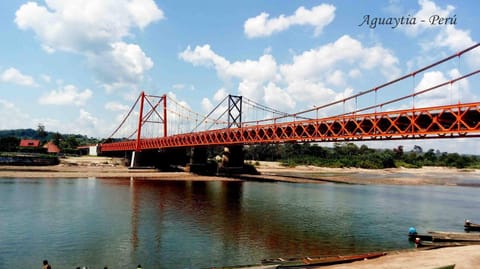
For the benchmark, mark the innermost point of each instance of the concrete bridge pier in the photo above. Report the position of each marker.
(139, 159)
(199, 163)
(163, 159)
(232, 160)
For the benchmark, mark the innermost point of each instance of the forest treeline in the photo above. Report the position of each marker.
(351, 155)
(289, 154)
(68, 143)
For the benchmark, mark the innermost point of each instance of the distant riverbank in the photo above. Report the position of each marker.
(105, 167)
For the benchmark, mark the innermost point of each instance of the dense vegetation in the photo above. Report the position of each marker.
(68, 143)
(350, 155)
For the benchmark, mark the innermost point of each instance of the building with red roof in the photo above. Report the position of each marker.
(29, 143)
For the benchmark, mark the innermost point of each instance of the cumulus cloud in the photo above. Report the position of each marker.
(448, 94)
(312, 78)
(80, 26)
(203, 55)
(114, 106)
(457, 40)
(16, 117)
(207, 105)
(220, 95)
(427, 9)
(251, 73)
(86, 120)
(12, 75)
(95, 29)
(122, 65)
(434, 36)
(278, 98)
(69, 95)
(263, 69)
(312, 64)
(318, 17)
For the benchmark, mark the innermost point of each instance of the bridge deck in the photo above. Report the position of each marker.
(450, 121)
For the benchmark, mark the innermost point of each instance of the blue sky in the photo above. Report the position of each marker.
(76, 66)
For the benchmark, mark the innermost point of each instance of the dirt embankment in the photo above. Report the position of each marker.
(391, 176)
(105, 167)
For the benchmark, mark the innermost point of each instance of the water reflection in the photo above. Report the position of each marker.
(194, 224)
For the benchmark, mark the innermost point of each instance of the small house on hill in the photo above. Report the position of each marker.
(29, 143)
(51, 148)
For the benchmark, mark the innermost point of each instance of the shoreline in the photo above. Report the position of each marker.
(105, 167)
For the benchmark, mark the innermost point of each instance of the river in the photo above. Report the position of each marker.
(120, 223)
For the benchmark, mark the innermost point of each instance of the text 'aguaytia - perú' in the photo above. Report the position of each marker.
(394, 22)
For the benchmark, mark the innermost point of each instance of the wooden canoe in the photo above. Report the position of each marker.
(470, 226)
(322, 261)
(455, 237)
(450, 266)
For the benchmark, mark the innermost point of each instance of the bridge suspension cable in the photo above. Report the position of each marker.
(357, 120)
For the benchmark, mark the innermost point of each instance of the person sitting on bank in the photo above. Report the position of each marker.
(46, 265)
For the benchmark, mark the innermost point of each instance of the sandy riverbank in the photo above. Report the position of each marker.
(98, 167)
(390, 176)
(465, 257)
(105, 167)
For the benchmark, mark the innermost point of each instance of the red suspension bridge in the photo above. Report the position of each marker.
(161, 122)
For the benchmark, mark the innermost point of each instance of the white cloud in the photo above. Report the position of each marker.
(318, 17)
(46, 78)
(69, 95)
(453, 38)
(86, 25)
(94, 29)
(427, 9)
(203, 55)
(355, 73)
(457, 40)
(114, 106)
(263, 69)
(432, 37)
(448, 94)
(278, 98)
(86, 119)
(312, 78)
(178, 86)
(335, 78)
(313, 64)
(251, 89)
(220, 95)
(16, 118)
(122, 65)
(12, 75)
(311, 93)
(251, 73)
(207, 106)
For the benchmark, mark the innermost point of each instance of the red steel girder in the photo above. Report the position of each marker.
(451, 121)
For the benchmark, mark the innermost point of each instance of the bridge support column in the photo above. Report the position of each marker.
(199, 161)
(135, 159)
(232, 160)
(198, 155)
(236, 157)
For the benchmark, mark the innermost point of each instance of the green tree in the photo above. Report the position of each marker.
(41, 131)
(9, 143)
(56, 138)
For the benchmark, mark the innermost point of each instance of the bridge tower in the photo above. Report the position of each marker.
(234, 111)
(144, 118)
(234, 153)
